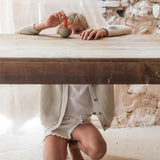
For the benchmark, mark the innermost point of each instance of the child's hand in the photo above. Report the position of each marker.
(90, 34)
(55, 19)
(52, 21)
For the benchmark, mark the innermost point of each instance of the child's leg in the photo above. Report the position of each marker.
(90, 141)
(75, 151)
(55, 148)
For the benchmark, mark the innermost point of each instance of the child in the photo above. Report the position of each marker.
(66, 109)
(77, 22)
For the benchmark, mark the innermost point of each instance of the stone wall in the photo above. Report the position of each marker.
(142, 15)
(137, 105)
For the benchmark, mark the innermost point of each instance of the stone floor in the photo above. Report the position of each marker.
(123, 144)
(133, 143)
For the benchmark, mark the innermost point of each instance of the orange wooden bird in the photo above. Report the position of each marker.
(65, 23)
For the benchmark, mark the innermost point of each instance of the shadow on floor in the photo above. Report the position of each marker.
(118, 158)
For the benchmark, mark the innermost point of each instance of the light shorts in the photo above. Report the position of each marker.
(78, 111)
(67, 126)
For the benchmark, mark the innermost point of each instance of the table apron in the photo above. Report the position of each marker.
(79, 71)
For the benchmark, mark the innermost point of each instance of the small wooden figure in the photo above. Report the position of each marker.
(64, 31)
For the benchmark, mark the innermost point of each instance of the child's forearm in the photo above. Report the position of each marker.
(40, 26)
(27, 30)
(52, 21)
(117, 30)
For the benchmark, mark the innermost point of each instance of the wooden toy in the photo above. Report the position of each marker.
(64, 31)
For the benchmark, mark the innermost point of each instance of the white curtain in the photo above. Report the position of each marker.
(20, 129)
(17, 13)
(21, 132)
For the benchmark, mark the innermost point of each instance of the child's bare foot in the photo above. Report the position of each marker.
(75, 151)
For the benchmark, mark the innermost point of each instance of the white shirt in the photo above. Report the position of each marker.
(79, 101)
(78, 111)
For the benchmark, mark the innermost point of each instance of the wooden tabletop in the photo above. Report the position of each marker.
(50, 59)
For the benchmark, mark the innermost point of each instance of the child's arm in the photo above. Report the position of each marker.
(92, 11)
(111, 30)
(52, 21)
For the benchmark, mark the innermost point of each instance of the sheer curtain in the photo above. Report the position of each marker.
(21, 132)
(17, 13)
(20, 128)
(6, 16)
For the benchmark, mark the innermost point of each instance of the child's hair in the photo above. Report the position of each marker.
(76, 19)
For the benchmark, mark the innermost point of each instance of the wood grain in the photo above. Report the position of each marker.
(23, 60)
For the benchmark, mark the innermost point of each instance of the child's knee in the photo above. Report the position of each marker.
(97, 151)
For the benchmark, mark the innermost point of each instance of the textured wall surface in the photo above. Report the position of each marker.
(137, 105)
(142, 15)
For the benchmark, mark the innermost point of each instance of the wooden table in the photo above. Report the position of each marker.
(50, 59)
